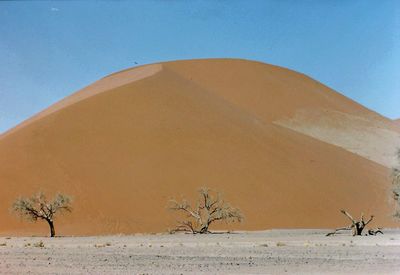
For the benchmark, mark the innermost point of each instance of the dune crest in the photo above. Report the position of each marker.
(125, 145)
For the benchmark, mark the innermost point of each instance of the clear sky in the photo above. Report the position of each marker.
(50, 49)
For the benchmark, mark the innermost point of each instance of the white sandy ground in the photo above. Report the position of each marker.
(267, 252)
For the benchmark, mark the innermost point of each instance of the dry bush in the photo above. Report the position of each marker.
(209, 209)
(39, 244)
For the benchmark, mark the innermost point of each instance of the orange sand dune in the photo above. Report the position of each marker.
(126, 144)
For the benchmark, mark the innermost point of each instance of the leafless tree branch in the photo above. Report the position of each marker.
(209, 209)
(356, 226)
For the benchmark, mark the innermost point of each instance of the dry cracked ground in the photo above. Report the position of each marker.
(266, 252)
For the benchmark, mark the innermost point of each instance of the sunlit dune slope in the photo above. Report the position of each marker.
(126, 144)
(297, 102)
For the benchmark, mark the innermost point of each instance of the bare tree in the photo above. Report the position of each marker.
(396, 185)
(208, 209)
(356, 226)
(37, 207)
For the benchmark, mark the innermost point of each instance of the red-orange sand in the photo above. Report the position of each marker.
(123, 146)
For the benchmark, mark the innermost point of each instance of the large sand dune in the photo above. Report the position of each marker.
(287, 150)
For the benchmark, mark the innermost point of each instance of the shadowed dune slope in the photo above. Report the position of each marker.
(126, 144)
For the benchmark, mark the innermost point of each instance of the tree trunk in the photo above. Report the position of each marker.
(358, 229)
(204, 229)
(52, 230)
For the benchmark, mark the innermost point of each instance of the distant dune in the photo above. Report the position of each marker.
(285, 149)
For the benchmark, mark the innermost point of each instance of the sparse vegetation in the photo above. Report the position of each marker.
(39, 244)
(209, 209)
(357, 227)
(37, 207)
(396, 185)
(99, 245)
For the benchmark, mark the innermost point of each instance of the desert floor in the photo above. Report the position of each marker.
(266, 252)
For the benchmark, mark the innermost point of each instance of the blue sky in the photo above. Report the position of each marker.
(50, 49)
